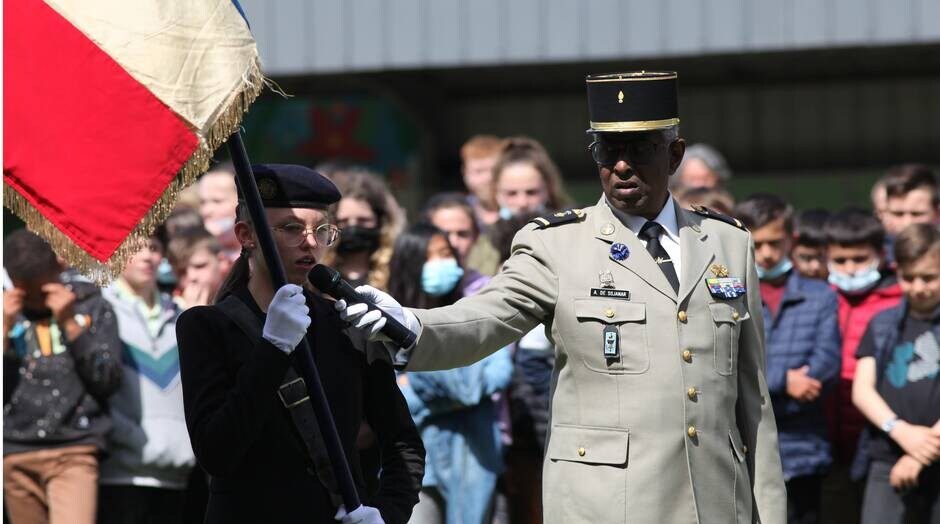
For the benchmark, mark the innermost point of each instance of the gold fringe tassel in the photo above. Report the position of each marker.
(103, 273)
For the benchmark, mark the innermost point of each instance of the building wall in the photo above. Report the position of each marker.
(298, 37)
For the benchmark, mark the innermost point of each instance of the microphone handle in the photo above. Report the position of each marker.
(393, 329)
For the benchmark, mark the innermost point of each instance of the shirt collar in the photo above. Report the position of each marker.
(665, 218)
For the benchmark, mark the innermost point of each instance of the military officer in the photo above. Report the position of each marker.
(660, 409)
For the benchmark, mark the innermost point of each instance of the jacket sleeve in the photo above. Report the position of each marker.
(402, 450)
(826, 360)
(520, 297)
(755, 412)
(456, 389)
(97, 352)
(224, 413)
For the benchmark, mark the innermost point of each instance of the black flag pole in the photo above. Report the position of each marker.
(302, 357)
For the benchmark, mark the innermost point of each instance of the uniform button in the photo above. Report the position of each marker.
(683, 316)
(692, 392)
(609, 313)
(735, 315)
(581, 452)
(692, 432)
(745, 449)
(687, 355)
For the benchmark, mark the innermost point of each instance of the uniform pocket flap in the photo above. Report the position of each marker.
(726, 313)
(589, 445)
(609, 311)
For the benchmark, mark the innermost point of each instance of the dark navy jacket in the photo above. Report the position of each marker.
(805, 331)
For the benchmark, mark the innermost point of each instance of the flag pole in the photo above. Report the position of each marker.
(302, 357)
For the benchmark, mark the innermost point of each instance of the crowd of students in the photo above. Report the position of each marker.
(93, 418)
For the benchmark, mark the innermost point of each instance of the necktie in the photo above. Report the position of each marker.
(651, 232)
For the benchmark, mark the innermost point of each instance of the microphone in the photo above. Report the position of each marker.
(329, 281)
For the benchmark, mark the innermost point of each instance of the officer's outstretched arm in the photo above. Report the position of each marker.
(520, 297)
(755, 412)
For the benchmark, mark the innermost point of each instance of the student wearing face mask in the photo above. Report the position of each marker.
(370, 219)
(865, 287)
(453, 409)
(801, 332)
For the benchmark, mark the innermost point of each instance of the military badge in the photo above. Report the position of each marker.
(719, 270)
(619, 251)
(606, 278)
(725, 287)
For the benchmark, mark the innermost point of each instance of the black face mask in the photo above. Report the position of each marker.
(37, 314)
(356, 239)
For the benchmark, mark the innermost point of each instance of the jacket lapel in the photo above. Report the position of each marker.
(609, 229)
(697, 252)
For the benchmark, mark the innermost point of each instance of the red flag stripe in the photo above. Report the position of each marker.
(87, 145)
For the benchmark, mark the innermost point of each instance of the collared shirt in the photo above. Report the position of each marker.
(152, 315)
(666, 218)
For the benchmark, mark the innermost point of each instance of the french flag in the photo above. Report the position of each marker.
(111, 107)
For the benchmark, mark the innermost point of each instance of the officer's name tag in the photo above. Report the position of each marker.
(727, 287)
(619, 294)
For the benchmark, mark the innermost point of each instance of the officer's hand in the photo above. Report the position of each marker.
(360, 515)
(368, 324)
(288, 318)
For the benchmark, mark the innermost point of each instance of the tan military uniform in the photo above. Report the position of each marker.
(677, 428)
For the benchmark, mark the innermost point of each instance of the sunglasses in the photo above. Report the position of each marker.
(636, 152)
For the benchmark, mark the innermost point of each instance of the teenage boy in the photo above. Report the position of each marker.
(912, 196)
(145, 474)
(809, 243)
(199, 264)
(897, 387)
(478, 155)
(803, 352)
(61, 337)
(865, 287)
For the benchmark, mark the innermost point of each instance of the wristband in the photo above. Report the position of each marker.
(890, 424)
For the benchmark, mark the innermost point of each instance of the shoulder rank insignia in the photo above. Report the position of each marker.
(708, 213)
(559, 218)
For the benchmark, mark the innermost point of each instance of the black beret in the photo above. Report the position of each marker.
(289, 185)
(635, 101)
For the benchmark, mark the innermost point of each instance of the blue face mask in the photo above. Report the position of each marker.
(440, 277)
(165, 273)
(782, 268)
(505, 213)
(858, 282)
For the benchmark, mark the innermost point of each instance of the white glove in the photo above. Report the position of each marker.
(368, 324)
(288, 318)
(360, 515)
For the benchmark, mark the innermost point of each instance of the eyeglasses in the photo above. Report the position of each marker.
(295, 234)
(637, 152)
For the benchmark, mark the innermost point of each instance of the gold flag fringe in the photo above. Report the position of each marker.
(103, 273)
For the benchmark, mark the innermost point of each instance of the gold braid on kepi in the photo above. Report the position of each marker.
(632, 102)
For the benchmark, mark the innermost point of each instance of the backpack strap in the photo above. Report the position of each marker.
(293, 395)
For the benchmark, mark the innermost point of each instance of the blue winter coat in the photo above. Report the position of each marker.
(457, 418)
(805, 331)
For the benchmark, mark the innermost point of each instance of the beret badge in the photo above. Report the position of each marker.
(267, 188)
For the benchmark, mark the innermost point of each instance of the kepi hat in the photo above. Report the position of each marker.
(632, 102)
